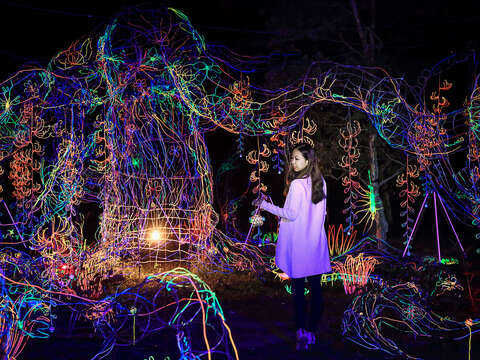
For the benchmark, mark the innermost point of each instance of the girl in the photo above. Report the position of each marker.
(302, 247)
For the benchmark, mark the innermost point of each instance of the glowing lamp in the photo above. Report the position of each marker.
(155, 236)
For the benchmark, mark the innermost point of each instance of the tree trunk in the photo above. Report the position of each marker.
(381, 223)
(367, 41)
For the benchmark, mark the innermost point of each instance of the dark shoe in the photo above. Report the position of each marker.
(302, 340)
(311, 338)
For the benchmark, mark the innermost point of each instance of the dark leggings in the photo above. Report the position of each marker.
(316, 302)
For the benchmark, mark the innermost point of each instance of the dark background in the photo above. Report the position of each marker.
(414, 33)
(411, 36)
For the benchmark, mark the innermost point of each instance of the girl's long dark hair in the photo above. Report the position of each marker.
(313, 169)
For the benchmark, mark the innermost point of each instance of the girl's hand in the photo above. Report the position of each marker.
(258, 201)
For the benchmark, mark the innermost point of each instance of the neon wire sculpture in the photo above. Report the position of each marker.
(115, 125)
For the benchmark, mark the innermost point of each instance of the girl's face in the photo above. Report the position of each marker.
(298, 161)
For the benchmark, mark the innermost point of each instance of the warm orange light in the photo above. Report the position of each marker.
(155, 236)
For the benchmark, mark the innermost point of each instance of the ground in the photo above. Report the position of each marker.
(260, 315)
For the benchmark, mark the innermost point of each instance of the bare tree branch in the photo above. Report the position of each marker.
(360, 29)
(390, 177)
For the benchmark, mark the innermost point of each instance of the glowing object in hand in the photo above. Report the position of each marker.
(257, 220)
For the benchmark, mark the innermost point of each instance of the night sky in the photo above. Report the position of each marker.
(416, 34)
